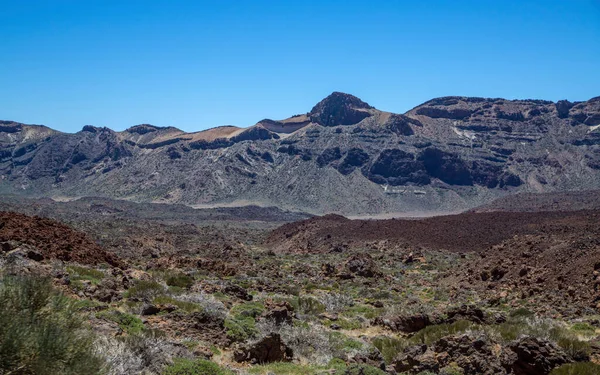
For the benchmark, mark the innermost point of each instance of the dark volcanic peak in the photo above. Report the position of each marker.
(95, 129)
(340, 109)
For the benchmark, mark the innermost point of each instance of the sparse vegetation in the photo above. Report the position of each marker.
(178, 279)
(159, 316)
(195, 367)
(145, 290)
(582, 368)
(78, 273)
(41, 331)
(131, 324)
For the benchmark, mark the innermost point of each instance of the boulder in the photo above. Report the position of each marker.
(266, 350)
(536, 356)
(237, 291)
(406, 323)
(279, 312)
(361, 265)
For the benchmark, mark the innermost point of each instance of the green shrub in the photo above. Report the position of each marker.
(368, 312)
(183, 305)
(283, 368)
(309, 306)
(145, 290)
(198, 367)
(127, 322)
(431, 334)
(248, 309)
(41, 332)
(77, 273)
(521, 313)
(180, 280)
(363, 370)
(337, 364)
(343, 343)
(577, 349)
(583, 328)
(240, 328)
(389, 347)
(580, 368)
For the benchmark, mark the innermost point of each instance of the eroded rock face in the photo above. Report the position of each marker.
(397, 167)
(434, 112)
(268, 349)
(563, 107)
(402, 125)
(447, 167)
(329, 155)
(354, 158)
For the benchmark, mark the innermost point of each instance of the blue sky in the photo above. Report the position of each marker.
(199, 64)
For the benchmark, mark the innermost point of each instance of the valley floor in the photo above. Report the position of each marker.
(167, 289)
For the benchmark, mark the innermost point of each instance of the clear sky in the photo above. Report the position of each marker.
(199, 64)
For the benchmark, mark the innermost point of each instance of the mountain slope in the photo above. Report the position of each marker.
(343, 156)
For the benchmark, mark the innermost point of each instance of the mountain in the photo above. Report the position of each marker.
(343, 156)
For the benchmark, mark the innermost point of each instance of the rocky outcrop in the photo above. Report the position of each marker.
(397, 167)
(355, 158)
(361, 264)
(478, 354)
(281, 312)
(31, 233)
(434, 112)
(266, 350)
(536, 356)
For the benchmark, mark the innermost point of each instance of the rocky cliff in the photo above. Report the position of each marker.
(343, 156)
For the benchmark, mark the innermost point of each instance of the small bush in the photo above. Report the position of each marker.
(389, 347)
(145, 290)
(584, 329)
(240, 328)
(581, 368)
(335, 302)
(363, 370)
(41, 332)
(198, 367)
(127, 322)
(183, 305)
(309, 306)
(283, 368)
(366, 311)
(577, 349)
(77, 273)
(251, 309)
(146, 353)
(180, 280)
(344, 344)
(431, 334)
(521, 313)
(209, 304)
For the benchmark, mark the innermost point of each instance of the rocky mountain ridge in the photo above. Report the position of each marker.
(343, 156)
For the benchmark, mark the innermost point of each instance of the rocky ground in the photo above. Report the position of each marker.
(264, 291)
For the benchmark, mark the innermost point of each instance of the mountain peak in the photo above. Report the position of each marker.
(340, 109)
